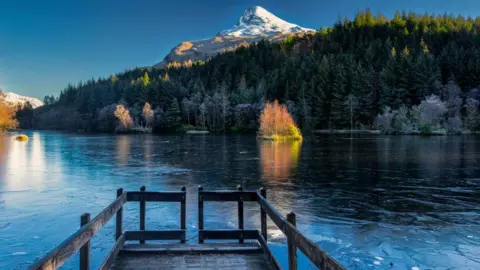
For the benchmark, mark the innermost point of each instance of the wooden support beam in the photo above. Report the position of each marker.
(268, 252)
(200, 214)
(229, 196)
(313, 252)
(228, 234)
(154, 235)
(59, 255)
(292, 249)
(183, 213)
(263, 215)
(240, 214)
(142, 213)
(113, 253)
(119, 218)
(153, 196)
(85, 249)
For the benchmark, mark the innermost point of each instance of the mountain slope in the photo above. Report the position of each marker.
(14, 99)
(255, 24)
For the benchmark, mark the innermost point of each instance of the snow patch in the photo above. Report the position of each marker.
(257, 21)
(15, 99)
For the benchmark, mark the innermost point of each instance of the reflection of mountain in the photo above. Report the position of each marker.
(278, 158)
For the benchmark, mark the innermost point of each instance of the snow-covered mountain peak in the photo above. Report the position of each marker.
(257, 21)
(14, 99)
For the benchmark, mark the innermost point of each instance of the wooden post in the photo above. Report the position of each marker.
(200, 215)
(240, 215)
(183, 214)
(119, 221)
(263, 215)
(292, 250)
(142, 214)
(85, 250)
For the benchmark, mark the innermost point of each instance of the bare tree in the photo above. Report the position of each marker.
(148, 114)
(124, 116)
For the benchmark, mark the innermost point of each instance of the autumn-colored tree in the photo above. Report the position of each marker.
(124, 116)
(277, 124)
(147, 114)
(7, 118)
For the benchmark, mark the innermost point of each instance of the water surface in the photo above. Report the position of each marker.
(372, 202)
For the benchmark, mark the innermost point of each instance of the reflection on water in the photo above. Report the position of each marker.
(123, 149)
(279, 159)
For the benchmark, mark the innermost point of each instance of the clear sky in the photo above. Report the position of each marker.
(46, 44)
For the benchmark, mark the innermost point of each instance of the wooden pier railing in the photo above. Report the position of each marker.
(80, 240)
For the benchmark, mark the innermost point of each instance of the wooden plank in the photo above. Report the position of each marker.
(240, 215)
(119, 218)
(152, 196)
(263, 215)
(155, 235)
(208, 248)
(59, 255)
(274, 215)
(228, 234)
(200, 214)
(229, 196)
(183, 213)
(85, 250)
(142, 214)
(268, 252)
(113, 253)
(292, 249)
(318, 257)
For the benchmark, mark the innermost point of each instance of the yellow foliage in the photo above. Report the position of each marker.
(277, 124)
(7, 120)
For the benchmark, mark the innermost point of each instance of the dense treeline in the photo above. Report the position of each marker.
(360, 73)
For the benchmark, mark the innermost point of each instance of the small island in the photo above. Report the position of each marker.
(276, 124)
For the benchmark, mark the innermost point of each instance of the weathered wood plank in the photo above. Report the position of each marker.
(218, 248)
(263, 216)
(85, 250)
(240, 215)
(268, 252)
(119, 218)
(228, 196)
(113, 253)
(151, 196)
(292, 249)
(59, 255)
(142, 213)
(155, 235)
(183, 212)
(318, 257)
(200, 214)
(228, 234)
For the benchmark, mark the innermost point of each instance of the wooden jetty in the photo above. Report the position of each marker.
(247, 250)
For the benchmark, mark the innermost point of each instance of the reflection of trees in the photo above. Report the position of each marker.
(123, 149)
(4, 145)
(278, 158)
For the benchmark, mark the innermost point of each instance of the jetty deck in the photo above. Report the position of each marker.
(238, 249)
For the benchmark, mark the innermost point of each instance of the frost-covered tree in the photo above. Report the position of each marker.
(472, 119)
(123, 115)
(148, 114)
(430, 112)
(352, 104)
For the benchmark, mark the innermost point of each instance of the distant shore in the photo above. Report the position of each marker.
(379, 132)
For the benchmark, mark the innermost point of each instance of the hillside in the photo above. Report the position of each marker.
(13, 99)
(362, 72)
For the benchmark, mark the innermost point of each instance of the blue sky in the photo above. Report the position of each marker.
(44, 45)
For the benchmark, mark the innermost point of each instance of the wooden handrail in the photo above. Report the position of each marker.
(316, 255)
(59, 255)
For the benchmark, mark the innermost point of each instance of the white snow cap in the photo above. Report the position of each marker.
(15, 99)
(257, 21)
